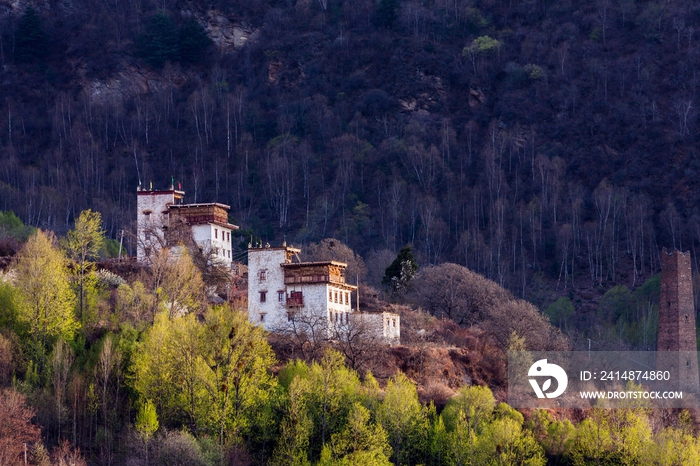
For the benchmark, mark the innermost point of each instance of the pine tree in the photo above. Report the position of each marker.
(193, 41)
(160, 42)
(31, 41)
(401, 271)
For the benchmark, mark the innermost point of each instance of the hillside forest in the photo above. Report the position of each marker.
(538, 143)
(136, 366)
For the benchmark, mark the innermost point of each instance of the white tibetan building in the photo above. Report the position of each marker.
(162, 210)
(281, 287)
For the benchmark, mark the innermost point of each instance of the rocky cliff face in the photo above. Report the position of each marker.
(227, 33)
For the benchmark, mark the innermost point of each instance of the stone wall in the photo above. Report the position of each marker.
(676, 330)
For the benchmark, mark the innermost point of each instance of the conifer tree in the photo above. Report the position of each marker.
(401, 271)
(160, 42)
(193, 41)
(31, 41)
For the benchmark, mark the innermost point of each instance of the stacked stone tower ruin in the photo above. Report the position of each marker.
(676, 331)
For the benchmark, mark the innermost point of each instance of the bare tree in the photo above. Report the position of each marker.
(357, 340)
(523, 319)
(62, 361)
(16, 428)
(64, 454)
(455, 292)
(604, 16)
(6, 360)
(107, 367)
(683, 116)
(305, 333)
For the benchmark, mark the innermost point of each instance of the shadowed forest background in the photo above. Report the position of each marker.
(549, 146)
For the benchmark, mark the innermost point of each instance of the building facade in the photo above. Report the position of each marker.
(164, 221)
(384, 325)
(283, 292)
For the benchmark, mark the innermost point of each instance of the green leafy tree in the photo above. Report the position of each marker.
(560, 311)
(296, 427)
(160, 42)
(504, 442)
(12, 227)
(438, 439)
(83, 245)
(480, 47)
(592, 441)
(329, 391)
(477, 403)
(239, 387)
(178, 282)
(333, 389)
(401, 271)
(462, 441)
(158, 370)
(361, 442)
(674, 446)
(193, 41)
(558, 435)
(147, 420)
(31, 41)
(46, 299)
(633, 437)
(147, 423)
(10, 302)
(211, 375)
(402, 417)
(133, 303)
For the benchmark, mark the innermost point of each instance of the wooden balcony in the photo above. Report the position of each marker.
(295, 299)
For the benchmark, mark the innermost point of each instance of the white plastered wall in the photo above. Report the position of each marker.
(268, 260)
(210, 237)
(385, 325)
(152, 215)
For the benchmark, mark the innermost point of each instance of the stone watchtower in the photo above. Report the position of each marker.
(676, 331)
